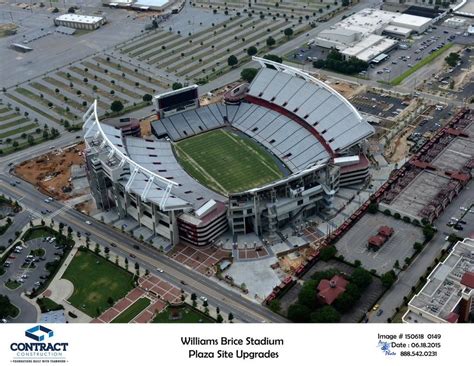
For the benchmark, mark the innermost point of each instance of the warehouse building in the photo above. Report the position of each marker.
(364, 34)
(77, 21)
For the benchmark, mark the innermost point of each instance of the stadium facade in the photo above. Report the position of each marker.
(309, 127)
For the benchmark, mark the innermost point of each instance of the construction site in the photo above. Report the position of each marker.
(60, 173)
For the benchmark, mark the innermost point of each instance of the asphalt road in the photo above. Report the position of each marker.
(217, 295)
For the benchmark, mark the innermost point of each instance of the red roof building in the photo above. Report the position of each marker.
(452, 317)
(468, 279)
(376, 241)
(330, 290)
(386, 231)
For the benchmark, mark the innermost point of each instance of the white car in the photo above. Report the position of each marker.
(204, 299)
(160, 270)
(88, 222)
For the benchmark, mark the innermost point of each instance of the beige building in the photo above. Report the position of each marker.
(77, 21)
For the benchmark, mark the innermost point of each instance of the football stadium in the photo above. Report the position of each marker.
(273, 154)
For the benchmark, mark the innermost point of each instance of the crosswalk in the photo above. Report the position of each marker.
(49, 215)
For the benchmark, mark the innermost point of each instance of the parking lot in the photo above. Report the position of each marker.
(353, 245)
(28, 269)
(380, 105)
(400, 60)
(442, 81)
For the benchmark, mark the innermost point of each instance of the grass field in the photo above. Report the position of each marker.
(132, 311)
(188, 315)
(226, 162)
(95, 280)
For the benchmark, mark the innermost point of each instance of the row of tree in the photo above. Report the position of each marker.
(335, 61)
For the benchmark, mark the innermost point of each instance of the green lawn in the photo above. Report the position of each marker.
(46, 304)
(18, 130)
(227, 162)
(12, 285)
(95, 280)
(188, 315)
(37, 252)
(420, 64)
(132, 311)
(38, 232)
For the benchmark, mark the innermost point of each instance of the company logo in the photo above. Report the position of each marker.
(41, 350)
(38, 333)
(385, 348)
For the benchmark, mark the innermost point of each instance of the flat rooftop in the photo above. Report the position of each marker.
(443, 290)
(368, 21)
(89, 19)
(455, 155)
(412, 20)
(419, 192)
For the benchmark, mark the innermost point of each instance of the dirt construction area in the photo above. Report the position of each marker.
(52, 172)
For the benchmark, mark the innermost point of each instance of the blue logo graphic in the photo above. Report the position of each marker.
(39, 333)
(385, 348)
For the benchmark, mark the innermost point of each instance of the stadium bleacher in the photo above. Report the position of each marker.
(158, 157)
(334, 119)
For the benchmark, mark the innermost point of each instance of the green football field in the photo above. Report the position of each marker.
(226, 162)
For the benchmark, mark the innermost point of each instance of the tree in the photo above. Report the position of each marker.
(428, 232)
(147, 98)
(388, 278)
(328, 253)
(219, 318)
(252, 50)
(55, 10)
(31, 140)
(272, 57)
(275, 306)
(248, 74)
(177, 86)
(361, 277)
(373, 208)
(336, 62)
(298, 313)
(230, 317)
(270, 41)
(6, 307)
(345, 2)
(452, 59)
(116, 106)
(344, 302)
(71, 10)
(307, 295)
(15, 144)
(288, 32)
(232, 61)
(418, 247)
(110, 301)
(327, 314)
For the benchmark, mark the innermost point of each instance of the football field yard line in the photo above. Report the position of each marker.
(248, 147)
(198, 167)
(227, 162)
